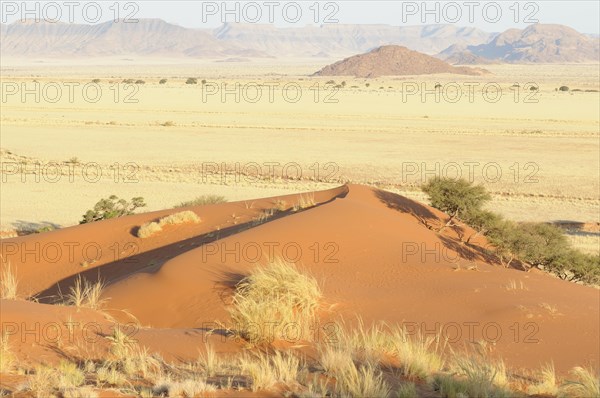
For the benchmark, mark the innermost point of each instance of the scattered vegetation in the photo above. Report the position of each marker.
(154, 227)
(139, 81)
(162, 81)
(379, 361)
(540, 245)
(203, 200)
(168, 123)
(304, 202)
(111, 208)
(563, 88)
(191, 80)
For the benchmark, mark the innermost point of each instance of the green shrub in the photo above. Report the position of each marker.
(111, 208)
(482, 221)
(162, 81)
(140, 82)
(128, 81)
(458, 198)
(537, 244)
(563, 88)
(191, 80)
(96, 81)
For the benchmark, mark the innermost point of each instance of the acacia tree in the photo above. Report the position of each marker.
(457, 198)
(482, 221)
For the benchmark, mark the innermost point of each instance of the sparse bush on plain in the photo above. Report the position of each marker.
(203, 200)
(96, 81)
(162, 81)
(563, 88)
(154, 227)
(191, 80)
(139, 81)
(111, 208)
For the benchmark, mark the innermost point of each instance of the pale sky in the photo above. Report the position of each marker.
(491, 16)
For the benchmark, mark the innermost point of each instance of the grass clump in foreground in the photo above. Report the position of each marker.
(275, 293)
(154, 227)
(203, 200)
(378, 361)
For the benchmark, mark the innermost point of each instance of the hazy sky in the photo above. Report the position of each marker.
(493, 16)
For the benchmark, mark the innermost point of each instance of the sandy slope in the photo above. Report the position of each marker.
(370, 249)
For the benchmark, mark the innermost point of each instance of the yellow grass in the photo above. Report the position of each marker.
(85, 294)
(154, 227)
(8, 283)
(277, 293)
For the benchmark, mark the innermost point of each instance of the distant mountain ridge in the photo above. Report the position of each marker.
(535, 44)
(155, 37)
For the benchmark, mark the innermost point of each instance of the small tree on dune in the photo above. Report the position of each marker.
(457, 198)
(482, 221)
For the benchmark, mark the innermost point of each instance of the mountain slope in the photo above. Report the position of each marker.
(536, 44)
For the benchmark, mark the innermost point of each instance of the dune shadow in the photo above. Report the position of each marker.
(397, 202)
(151, 261)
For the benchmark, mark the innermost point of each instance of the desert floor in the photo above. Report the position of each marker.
(536, 151)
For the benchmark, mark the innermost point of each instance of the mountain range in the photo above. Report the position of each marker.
(157, 38)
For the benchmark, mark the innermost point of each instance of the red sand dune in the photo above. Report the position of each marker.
(371, 250)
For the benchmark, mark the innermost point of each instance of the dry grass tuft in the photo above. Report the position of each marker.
(268, 370)
(547, 384)
(152, 228)
(478, 375)
(279, 294)
(305, 201)
(7, 358)
(8, 283)
(85, 294)
(362, 381)
(585, 385)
